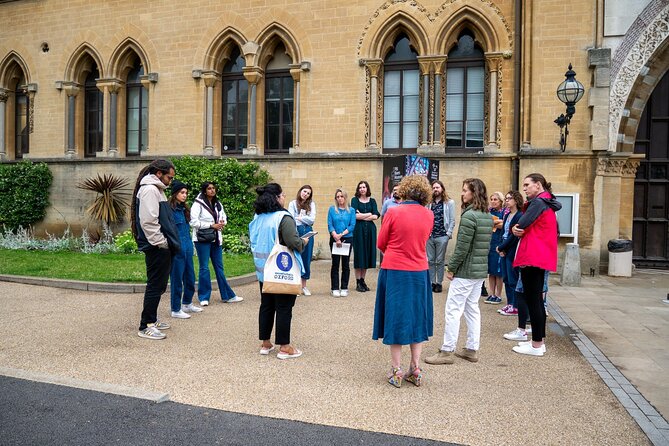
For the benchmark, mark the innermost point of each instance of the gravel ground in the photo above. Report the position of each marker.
(211, 360)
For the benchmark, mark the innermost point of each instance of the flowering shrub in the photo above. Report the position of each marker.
(125, 242)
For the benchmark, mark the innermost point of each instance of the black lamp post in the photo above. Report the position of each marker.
(570, 91)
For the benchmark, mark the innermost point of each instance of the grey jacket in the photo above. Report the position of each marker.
(449, 217)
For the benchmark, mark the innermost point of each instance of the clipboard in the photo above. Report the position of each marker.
(344, 250)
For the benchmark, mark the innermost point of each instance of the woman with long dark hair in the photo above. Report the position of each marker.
(507, 251)
(303, 210)
(207, 212)
(536, 254)
(270, 220)
(364, 235)
(182, 276)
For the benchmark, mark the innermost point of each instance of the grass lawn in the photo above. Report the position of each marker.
(129, 268)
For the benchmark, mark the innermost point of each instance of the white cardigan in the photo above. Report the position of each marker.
(201, 218)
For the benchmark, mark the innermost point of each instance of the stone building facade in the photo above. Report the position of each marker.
(325, 92)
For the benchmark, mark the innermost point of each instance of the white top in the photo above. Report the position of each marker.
(302, 217)
(201, 218)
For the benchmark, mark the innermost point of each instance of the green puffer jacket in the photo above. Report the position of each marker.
(470, 258)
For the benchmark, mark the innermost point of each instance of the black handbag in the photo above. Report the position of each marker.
(207, 235)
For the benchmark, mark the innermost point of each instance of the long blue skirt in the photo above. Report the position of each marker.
(404, 311)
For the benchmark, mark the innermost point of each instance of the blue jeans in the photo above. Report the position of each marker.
(307, 251)
(182, 279)
(213, 251)
(510, 276)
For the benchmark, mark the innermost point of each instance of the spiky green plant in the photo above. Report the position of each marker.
(111, 203)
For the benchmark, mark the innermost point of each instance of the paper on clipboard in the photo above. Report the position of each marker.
(342, 250)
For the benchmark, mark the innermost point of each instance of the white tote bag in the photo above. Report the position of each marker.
(282, 273)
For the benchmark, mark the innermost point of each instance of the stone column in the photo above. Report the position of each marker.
(627, 177)
(432, 69)
(494, 67)
(374, 67)
(109, 89)
(425, 68)
(4, 94)
(439, 102)
(210, 79)
(113, 116)
(608, 189)
(295, 72)
(72, 90)
(253, 76)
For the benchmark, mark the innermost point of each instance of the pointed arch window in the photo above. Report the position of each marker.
(401, 89)
(21, 125)
(235, 105)
(93, 99)
(279, 102)
(137, 111)
(465, 95)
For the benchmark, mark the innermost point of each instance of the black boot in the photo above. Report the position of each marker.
(434, 286)
(438, 288)
(358, 287)
(484, 292)
(364, 285)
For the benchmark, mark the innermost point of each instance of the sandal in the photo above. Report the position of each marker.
(265, 350)
(414, 376)
(395, 377)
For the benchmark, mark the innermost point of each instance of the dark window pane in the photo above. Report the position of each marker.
(287, 116)
(288, 87)
(243, 91)
(229, 115)
(273, 88)
(273, 137)
(272, 113)
(287, 137)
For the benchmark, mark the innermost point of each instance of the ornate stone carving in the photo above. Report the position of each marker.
(608, 167)
(646, 45)
(630, 167)
(4, 94)
(368, 89)
(489, 4)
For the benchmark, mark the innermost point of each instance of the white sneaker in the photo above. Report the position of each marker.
(527, 349)
(180, 315)
(516, 335)
(343, 293)
(543, 346)
(335, 293)
(204, 303)
(151, 332)
(232, 300)
(190, 308)
(306, 291)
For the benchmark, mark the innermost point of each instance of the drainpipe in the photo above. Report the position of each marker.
(517, 44)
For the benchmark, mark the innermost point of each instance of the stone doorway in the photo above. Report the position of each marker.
(651, 186)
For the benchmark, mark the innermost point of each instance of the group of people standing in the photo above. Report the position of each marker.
(526, 247)
(418, 222)
(166, 231)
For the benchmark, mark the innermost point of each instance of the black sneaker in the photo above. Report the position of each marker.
(484, 292)
(438, 288)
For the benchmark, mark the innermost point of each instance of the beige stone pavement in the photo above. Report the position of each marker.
(212, 360)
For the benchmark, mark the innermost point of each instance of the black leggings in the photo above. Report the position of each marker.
(533, 286)
(335, 283)
(281, 307)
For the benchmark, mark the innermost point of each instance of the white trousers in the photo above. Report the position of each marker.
(463, 297)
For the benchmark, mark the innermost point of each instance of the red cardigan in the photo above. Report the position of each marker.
(404, 235)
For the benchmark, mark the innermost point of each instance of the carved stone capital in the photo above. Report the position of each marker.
(295, 73)
(72, 89)
(112, 85)
(608, 167)
(493, 61)
(4, 94)
(630, 167)
(253, 74)
(439, 63)
(210, 78)
(374, 66)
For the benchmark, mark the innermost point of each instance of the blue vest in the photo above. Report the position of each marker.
(263, 231)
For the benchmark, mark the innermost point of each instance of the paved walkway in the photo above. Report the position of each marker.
(211, 361)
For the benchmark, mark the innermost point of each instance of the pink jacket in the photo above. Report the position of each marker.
(538, 246)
